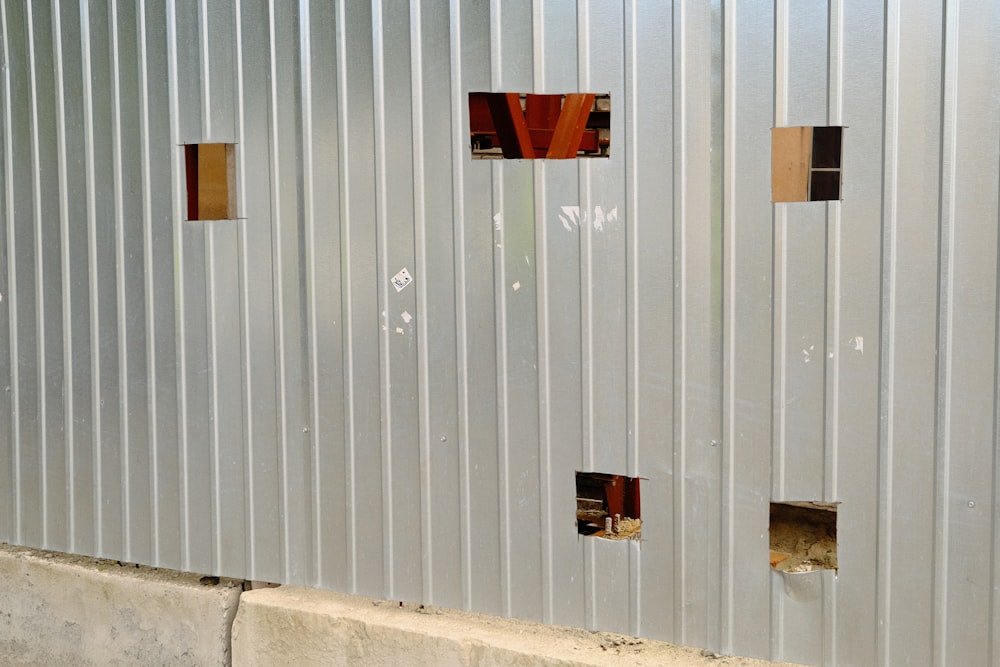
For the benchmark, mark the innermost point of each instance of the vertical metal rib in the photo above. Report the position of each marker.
(119, 218)
(832, 367)
(177, 171)
(148, 277)
(95, 333)
(678, 185)
(278, 291)
(780, 269)
(945, 316)
(312, 303)
(890, 136)
(500, 297)
(833, 209)
(677, 61)
(544, 332)
(587, 362)
(12, 301)
(215, 518)
(730, 234)
(630, 111)
(243, 268)
(343, 136)
(206, 70)
(382, 236)
(65, 276)
(423, 335)
(36, 197)
(993, 629)
(458, 148)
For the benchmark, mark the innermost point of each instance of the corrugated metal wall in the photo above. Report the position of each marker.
(253, 398)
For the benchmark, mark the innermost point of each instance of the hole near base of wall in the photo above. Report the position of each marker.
(803, 536)
(608, 506)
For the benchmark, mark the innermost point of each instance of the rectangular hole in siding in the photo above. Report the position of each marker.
(803, 536)
(528, 126)
(608, 506)
(806, 163)
(211, 181)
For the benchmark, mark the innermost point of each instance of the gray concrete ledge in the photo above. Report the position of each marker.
(58, 609)
(301, 626)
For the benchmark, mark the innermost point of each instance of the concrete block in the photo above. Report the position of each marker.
(58, 609)
(301, 626)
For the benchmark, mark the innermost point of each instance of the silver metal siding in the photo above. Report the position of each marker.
(253, 398)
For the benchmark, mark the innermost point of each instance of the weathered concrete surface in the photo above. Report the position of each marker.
(300, 626)
(57, 609)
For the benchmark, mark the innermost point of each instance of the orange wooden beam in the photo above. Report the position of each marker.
(511, 127)
(571, 125)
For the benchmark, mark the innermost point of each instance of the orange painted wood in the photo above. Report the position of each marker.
(510, 124)
(572, 123)
(480, 120)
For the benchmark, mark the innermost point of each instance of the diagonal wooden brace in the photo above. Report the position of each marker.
(571, 125)
(510, 124)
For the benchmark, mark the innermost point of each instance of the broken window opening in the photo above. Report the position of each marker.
(806, 163)
(211, 181)
(803, 536)
(528, 126)
(608, 506)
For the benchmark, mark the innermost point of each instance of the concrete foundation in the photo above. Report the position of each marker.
(57, 609)
(300, 626)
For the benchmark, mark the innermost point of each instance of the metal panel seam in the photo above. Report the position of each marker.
(68, 370)
(887, 326)
(382, 262)
(461, 309)
(119, 221)
(945, 314)
(36, 196)
(423, 334)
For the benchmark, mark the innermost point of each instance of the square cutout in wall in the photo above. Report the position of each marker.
(803, 536)
(608, 506)
(529, 126)
(211, 181)
(806, 163)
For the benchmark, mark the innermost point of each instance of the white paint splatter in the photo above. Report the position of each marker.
(858, 343)
(400, 331)
(406, 317)
(498, 221)
(572, 216)
(516, 285)
(569, 217)
(598, 219)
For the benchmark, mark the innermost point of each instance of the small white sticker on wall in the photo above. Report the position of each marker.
(406, 317)
(401, 279)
